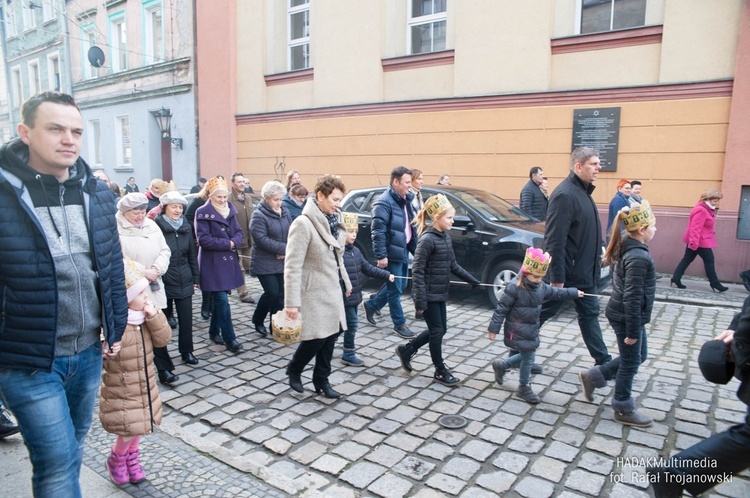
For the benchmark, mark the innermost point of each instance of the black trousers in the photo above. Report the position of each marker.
(184, 308)
(707, 255)
(322, 351)
(437, 323)
(162, 361)
(272, 299)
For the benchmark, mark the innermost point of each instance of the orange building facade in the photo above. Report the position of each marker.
(488, 95)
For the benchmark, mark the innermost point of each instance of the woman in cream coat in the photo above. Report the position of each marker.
(316, 244)
(143, 242)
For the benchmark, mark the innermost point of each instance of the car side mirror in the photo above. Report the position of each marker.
(462, 222)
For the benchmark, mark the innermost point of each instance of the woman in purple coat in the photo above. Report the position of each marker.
(219, 234)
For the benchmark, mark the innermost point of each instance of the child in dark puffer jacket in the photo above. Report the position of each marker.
(434, 261)
(520, 307)
(355, 267)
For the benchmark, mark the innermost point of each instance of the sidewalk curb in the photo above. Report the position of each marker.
(243, 464)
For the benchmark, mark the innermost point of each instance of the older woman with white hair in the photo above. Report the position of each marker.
(143, 242)
(269, 227)
(182, 275)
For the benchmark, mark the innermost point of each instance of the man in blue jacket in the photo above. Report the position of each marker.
(61, 284)
(393, 238)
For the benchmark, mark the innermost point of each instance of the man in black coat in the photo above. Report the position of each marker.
(533, 201)
(714, 460)
(574, 240)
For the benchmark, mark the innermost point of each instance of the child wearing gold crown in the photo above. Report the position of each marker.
(519, 307)
(433, 263)
(628, 310)
(130, 405)
(355, 265)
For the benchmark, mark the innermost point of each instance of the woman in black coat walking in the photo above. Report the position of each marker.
(182, 275)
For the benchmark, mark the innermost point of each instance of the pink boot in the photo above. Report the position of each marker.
(135, 470)
(118, 471)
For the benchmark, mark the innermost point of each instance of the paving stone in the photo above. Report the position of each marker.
(260, 434)
(389, 486)
(463, 468)
(596, 463)
(405, 442)
(609, 447)
(526, 444)
(414, 468)
(385, 426)
(536, 429)
(278, 445)
(294, 435)
(533, 487)
(309, 452)
(585, 482)
(498, 482)
(478, 450)
(548, 468)
(512, 462)
(362, 474)
(495, 435)
(437, 451)
(569, 435)
(386, 455)
(446, 483)
(561, 451)
(351, 451)
(451, 438)
(368, 438)
(330, 464)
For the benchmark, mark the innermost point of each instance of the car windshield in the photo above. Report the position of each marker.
(491, 206)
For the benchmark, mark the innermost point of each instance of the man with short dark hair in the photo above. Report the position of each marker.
(533, 201)
(197, 188)
(574, 240)
(244, 205)
(393, 238)
(56, 303)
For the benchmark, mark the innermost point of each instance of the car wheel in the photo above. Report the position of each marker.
(501, 274)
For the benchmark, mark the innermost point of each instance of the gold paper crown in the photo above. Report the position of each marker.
(284, 330)
(217, 183)
(350, 221)
(637, 216)
(536, 262)
(437, 204)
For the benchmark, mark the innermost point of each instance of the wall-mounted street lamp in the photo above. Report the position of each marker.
(164, 120)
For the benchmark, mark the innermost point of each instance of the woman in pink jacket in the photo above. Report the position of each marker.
(700, 238)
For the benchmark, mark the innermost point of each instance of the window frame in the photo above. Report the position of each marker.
(95, 142)
(34, 75)
(16, 82)
(11, 22)
(49, 13)
(88, 40)
(293, 43)
(122, 142)
(150, 55)
(51, 79)
(579, 19)
(29, 18)
(116, 49)
(412, 22)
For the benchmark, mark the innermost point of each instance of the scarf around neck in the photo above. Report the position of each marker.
(333, 221)
(176, 224)
(136, 317)
(224, 211)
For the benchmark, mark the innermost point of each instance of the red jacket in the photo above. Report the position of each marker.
(700, 229)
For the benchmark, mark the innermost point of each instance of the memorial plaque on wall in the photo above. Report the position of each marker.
(598, 128)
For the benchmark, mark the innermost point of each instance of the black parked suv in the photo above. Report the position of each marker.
(490, 235)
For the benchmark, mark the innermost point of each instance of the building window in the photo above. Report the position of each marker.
(122, 141)
(88, 40)
(48, 10)
(29, 18)
(15, 76)
(118, 42)
(35, 78)
(95, 143)
(10, 21)
(608, 15)
(153, 32)
(299, 34)
(427, 22)
(53, 73)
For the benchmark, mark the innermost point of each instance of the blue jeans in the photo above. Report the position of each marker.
(624, 367)
(525, 359)
(352, 323)
(391, 293)
(221, 317)
(54, 411)
(587, 309)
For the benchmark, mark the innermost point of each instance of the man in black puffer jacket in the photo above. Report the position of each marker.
(62, 281)
(574, 240)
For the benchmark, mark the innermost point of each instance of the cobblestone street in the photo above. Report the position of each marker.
(232, 426)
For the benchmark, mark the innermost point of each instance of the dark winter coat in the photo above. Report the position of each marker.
(741, 350)
(573, 235)
(434, 261)
(219, 265)
(389, 226)
(633, 288)
(28, 278)
(356, 265)
(533, 201)
(291, 205)
(244, 213)
(270, 231)
(520, 308)
(182, 274)
(153, 200)
(618, 202)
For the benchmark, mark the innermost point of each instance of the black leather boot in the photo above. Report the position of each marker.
(326, 390)
(295, 381)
